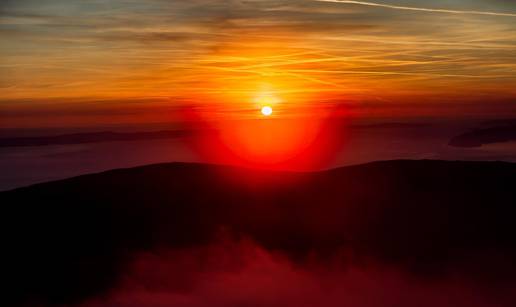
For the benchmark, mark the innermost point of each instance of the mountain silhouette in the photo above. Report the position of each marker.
(70, 240)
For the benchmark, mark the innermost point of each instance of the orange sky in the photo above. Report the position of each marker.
(88, 62)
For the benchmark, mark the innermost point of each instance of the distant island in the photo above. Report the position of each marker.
(392, 125)
(92, 137)
(484, 136)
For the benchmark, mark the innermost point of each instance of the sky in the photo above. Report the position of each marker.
(78, 62)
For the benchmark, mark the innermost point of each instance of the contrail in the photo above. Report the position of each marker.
(420, 9)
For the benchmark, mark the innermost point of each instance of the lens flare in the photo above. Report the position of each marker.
(292, 141)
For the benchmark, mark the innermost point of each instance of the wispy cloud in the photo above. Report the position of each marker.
(204, 51)
(421, 9)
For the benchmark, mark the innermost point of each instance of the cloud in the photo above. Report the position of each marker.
(239, 272)
(421, 9)
(221, 50)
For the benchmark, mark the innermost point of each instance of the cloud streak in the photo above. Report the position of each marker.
(229, 52)
(421, 9)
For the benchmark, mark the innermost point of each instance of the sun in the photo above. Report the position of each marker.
(266, 110)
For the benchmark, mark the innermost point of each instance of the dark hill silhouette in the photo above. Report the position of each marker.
(69, 240)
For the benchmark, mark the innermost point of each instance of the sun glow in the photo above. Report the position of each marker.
(261, 116)
(266, 110)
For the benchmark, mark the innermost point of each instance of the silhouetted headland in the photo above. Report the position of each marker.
(479, 137)
(93, 137)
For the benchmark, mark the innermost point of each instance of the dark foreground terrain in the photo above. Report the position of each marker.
(396, 233)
